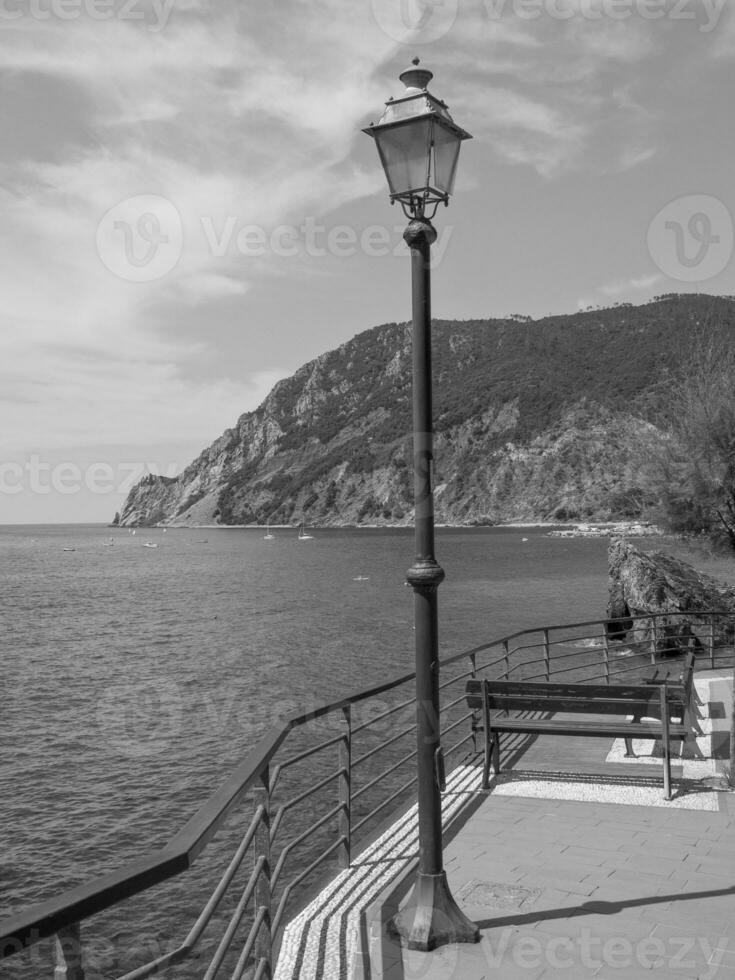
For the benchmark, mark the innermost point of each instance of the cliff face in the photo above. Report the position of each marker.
(534, 420)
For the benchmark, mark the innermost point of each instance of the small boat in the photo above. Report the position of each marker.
(303, 536)
(68, 549)
(150, 544)
(268, 536)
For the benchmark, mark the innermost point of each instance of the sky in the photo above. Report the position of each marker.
(189, 210)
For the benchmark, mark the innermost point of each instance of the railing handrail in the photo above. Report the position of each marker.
(689, 614)
(90, 898)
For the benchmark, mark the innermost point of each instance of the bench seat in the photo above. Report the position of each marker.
(573, 726)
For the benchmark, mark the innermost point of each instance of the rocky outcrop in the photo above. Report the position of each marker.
(642, 583)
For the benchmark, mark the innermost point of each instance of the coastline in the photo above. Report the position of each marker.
(563, 529)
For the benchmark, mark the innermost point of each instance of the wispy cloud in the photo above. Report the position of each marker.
(204, 115)
(635, 284)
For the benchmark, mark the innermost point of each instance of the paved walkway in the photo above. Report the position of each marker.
(573, 867)
(578, 889)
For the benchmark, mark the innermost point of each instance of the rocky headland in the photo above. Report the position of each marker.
(535, 421)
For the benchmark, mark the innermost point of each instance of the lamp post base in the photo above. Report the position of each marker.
(432, 918)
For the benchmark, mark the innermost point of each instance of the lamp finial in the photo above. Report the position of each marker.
(416, 78)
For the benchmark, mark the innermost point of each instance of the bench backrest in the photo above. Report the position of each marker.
(613, 699)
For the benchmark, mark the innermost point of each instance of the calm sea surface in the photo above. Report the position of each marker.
(135, 678)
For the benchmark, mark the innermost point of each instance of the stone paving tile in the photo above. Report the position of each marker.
(587, 855)
(628, 881)
(482, 961)
(723, 958)
(540, 878)
(653, 865)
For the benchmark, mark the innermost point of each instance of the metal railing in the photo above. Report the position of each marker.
(311, 808)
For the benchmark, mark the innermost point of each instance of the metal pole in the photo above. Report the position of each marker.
(345, 792)
(263, 897)
(431, 917)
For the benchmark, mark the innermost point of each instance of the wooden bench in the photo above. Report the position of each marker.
(667, 707)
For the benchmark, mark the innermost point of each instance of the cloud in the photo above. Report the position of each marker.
(635, 284)
(619, 289)
(204, 115)
(67, 399)
(540, 86)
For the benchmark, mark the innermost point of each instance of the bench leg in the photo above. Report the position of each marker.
(496, 752)
(665, 742)
(488, 735)
(629, 753)
(492, 757)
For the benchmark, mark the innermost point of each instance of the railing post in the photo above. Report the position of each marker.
(262, 846)
(731, 769)
(506, 657)
(606, 654)
(68, 954)
(345, 793)
(653, 640)
(546, 655)
(711, 641)
(473, 720)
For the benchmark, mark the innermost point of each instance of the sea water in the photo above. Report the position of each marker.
(135, 678)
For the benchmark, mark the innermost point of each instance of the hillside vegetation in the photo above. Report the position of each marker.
(534, 420)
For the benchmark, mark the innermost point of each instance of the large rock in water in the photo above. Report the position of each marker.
(642, 583)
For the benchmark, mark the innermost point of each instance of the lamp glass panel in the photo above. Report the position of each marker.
(404, 151)
(446, 154)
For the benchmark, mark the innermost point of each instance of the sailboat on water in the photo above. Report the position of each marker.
(303, 536)
(267, 536)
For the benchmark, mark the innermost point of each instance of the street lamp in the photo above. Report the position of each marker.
(418, 143)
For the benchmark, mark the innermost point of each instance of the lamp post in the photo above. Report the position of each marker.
(418, 143)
